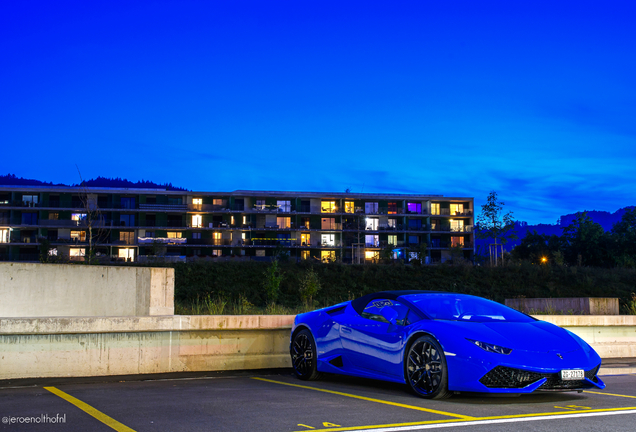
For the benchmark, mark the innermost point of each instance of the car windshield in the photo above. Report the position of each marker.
(465, 308)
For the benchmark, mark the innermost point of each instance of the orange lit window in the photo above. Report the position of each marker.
(392, 208)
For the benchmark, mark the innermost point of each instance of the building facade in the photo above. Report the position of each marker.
(131, 225)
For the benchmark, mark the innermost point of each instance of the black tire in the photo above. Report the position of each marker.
(425, 368)
(303, 356)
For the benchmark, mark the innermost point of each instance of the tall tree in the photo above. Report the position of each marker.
(494, 224)
(93, 220)
(624, 234)
(586, 242)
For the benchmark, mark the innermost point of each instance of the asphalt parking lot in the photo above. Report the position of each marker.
(274, 400)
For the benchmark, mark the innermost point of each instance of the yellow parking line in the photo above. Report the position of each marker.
(609, 394)
(108, 421)
(463, 417)
(473, 420)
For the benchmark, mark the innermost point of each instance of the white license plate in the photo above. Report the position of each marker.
(572, 374)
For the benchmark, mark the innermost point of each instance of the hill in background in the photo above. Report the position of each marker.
(12, 180)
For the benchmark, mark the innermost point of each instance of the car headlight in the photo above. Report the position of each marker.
(491, 347)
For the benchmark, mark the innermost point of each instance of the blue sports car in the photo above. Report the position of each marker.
(440, 343)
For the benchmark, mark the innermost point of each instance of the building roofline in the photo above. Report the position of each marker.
(264, 193)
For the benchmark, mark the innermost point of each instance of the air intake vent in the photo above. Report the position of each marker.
(336, 311)
(337, 362)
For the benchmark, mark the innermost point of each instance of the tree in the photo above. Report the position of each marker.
(624, 235)
(494, 224)
(93, 219)
(309, 287)
(586, 242)
(535, 247)
(272, 281)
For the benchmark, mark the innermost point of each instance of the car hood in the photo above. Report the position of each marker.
(537, 336)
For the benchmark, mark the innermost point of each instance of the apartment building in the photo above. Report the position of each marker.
(129, 225)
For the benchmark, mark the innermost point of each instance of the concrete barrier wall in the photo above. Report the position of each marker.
(571, 306)
(98, 346)
(35, 290)
(75, 347)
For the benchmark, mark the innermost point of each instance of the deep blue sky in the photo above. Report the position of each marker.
(536, 100)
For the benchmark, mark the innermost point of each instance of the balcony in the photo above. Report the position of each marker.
(162, 207)
(331, 226)
(465, 228)
(162, 240)
(206, 207)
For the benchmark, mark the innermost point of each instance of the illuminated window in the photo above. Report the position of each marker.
(128, 237)
(456, 209)
(283, 222)
(4, 236)
(197, 221)
(305, 222)
(328, 223)
(78, 216)
(371, 208)
(305, 239)
(197, 201)
(457, 241)
(243, 236)
(260, 252)
(217, 202)
(54, 215)
(328, 240)
(392, 223)
(53, 252)
(78, 235)
(371, 255)
(216, 252)
(457, 225)
(392, 208)
(372, 240)
(349, 208)
(174, 234)
(328, 206)
(414, 207)
(128, 254)
(435, 208)
(328, 256)
(284, 206)
(232, 220)
(77, 252)
(393, 240)
(304, 255)
(244, 220)
(372, 224)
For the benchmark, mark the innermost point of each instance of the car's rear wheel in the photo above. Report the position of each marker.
(425, 368)
(303, 355)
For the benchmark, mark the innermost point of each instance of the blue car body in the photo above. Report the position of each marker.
(499, 351)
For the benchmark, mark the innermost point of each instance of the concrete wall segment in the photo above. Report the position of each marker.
(31, 290)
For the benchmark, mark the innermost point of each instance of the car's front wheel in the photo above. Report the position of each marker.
(303, 355)
(425, 368)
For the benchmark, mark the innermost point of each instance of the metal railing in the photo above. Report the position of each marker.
(168, 207)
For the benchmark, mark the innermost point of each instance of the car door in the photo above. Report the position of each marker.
(373, 341)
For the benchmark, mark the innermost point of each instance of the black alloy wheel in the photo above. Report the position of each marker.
(303, 356)
(425, 369)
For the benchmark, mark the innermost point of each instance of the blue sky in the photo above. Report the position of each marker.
(533, 99)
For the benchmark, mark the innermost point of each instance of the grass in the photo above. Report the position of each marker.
(220, 306)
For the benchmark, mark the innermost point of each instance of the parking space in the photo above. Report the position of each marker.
(277, 401)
